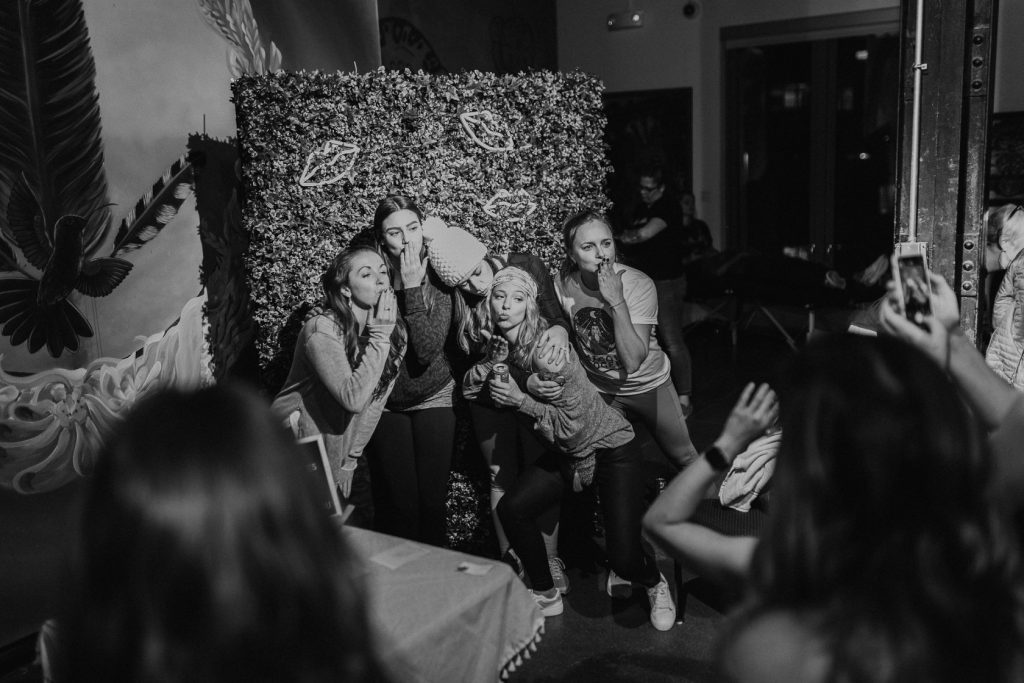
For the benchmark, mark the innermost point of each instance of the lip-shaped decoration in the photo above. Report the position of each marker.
(329, 164)
(513, 207)
(487, 130)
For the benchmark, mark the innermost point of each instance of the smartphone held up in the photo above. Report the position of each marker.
(910, 273)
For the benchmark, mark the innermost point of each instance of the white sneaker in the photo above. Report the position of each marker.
(549, 607)
(663, 609)
(557, 568)
(617, 586)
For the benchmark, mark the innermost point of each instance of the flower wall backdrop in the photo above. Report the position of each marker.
(507, 157)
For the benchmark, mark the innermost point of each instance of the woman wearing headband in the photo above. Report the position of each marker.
(344, 366)
(587, 441)
(463, 262)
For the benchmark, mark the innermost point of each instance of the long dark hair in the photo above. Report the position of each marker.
(202, 556)
(882, 523)
(334, 278)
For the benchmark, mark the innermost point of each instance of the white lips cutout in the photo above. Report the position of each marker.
(330, 164)
(511, 206)
(487, 130)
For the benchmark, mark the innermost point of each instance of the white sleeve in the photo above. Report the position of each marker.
(641, 297)
(564, 300)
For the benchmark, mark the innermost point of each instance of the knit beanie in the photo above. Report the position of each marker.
(454, 253)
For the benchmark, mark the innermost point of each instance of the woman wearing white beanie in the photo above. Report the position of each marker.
(462, 261)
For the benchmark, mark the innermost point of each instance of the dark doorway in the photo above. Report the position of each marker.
(811, 147)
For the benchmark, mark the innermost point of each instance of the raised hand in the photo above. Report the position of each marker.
(413, 270)
(753, 413)
(944, 304)
(497, 349)
(609, 283)
(386, 310)
(554, 346)
(932, 336)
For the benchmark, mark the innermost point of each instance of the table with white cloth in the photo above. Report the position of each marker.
(442, 615)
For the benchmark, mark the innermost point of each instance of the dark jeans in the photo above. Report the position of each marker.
(670, 331)
(410, 458)
(620, 483)
(360, 497)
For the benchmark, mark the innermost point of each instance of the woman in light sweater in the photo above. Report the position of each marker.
(588, 441)
(344, 366)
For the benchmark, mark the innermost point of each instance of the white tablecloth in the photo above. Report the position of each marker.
(439, 623)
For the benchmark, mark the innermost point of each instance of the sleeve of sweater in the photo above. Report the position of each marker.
(428, 327)
(475, 378)
(565, 424)
(351, 387)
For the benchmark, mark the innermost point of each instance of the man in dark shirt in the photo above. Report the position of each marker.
(655, 244)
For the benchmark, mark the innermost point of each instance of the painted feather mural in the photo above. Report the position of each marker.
(54, 209)
(52, 185)
(55, 220)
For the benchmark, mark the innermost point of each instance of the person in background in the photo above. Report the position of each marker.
(202, 555)
(1005, 353)
(697, 240)
(506, 443)
(587, 440)
(656, 244)
(345, 363)
(996, 404)
(411, 450)
(613, 310)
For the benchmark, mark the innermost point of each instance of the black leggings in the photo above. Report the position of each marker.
(410, 457)
(620, 482)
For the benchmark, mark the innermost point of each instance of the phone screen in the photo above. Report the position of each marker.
(916, 290)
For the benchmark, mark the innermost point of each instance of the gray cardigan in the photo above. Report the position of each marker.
(332, 397)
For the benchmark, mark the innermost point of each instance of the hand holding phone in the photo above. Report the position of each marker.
(913, 287)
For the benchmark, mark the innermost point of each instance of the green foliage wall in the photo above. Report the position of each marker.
(540, 141)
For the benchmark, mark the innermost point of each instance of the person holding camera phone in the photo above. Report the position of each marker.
(590, 443)
(996, 403)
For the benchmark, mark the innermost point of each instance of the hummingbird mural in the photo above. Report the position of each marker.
(54, 206)
(37, 310)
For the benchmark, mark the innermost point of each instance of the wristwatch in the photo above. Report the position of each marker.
(716, 459)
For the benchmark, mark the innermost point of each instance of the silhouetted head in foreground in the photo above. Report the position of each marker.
(202, 555)
(884, 555)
